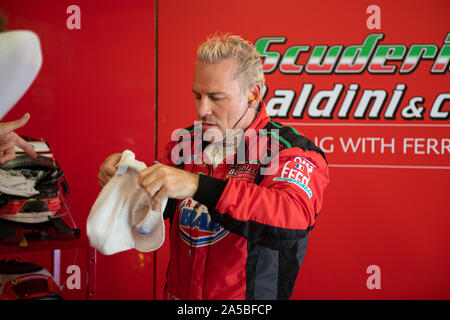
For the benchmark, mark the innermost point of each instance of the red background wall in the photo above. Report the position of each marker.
(95, 95)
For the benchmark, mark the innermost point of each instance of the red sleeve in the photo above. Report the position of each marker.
(278, 211)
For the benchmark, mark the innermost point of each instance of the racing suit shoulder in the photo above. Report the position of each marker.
(290, 137)
(283, 202)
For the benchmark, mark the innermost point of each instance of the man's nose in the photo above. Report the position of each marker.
(203, 108)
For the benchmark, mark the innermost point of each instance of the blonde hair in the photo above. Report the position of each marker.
(219, 47)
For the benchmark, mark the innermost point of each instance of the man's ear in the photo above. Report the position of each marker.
(254, 95)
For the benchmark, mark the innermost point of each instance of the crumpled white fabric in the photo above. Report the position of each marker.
(14, 183)
(20, 62)
(121, 206)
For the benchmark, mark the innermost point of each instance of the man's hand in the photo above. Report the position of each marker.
(9, 139)
(108, 169)
(161, 181)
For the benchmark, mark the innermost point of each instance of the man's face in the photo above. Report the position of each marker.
(218, 99)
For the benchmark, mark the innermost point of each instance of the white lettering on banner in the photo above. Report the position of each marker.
(381, 145)
(371, 55)
(354, 104)
(324, 103)
(327, 148)
(426, 146)
(298, 172)
(371, 142)
(436, 112)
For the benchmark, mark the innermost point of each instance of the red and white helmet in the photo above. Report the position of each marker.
(26, 280)
(46, 173)
(37, 203)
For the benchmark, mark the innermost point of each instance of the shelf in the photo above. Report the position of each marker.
(44, 245)
(36, 244)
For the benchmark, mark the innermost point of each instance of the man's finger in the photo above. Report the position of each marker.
(7, 145)
(109, 170)
(101, 179)
(151, 173)
(109, 165)
(148, 177)
(158, 198)
(26, 147)
(7, 155)
(104, 177)
(16, 124)
(152, 186)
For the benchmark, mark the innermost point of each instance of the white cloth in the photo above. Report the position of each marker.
(121, 209)
(13, 182)
(20, 62)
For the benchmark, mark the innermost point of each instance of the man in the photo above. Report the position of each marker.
(235, 233)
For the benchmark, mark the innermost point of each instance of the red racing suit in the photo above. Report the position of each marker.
(244, 233)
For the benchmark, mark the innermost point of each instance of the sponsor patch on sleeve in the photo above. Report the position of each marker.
(298, 172)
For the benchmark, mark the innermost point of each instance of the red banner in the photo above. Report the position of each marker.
(369, 84)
